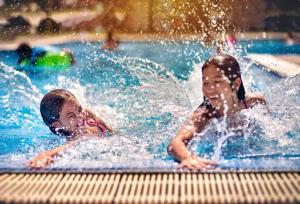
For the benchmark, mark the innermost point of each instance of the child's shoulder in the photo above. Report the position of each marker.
(255, 98)
(90, 113)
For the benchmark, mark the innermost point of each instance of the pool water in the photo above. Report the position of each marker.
(146, 90)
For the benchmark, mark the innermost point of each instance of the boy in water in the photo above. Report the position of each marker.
(64, 116)
(224, 94)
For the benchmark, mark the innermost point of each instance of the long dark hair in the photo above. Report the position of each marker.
(230, 68)
(51, 106)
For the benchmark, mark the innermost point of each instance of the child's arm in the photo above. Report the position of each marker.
(177, 147)
(45, 158)
(90, 114)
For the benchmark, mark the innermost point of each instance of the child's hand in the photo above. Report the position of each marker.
(40, 161)
(195, 163)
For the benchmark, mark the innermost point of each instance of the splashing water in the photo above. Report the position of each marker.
(145, 103)
(263, 133)
(129, 93)
(18, 90)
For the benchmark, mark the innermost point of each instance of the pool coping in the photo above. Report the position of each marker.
(276, 64)
(144, 170)
(136, 37)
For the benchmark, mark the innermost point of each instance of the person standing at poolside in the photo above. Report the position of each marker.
(110, 43)
(224, 94)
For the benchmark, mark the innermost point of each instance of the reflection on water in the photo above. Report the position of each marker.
(145, 102)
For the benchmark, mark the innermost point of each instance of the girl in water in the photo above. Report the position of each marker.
(224, 94)
(64, 116)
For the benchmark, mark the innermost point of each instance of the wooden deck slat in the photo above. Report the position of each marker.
(20, 191)
(150, 199)
(267, 193)
(201, 197)
(285, 188)
(293, 192)
(182, 189)
(259, 190)
(83, 191)
(227, 188)
(278, 190)
(157, 188)
(166, 188)
(101, 196)
(221, 186)
(33, 188)
(272, 191)
(231, 187)
(176, 188)
(62, 188)
(97, 182)
(55, 186)
(189, 192)
(146, 188)
(12, 191)
(139, 190)
(240, 198)
(196, 191)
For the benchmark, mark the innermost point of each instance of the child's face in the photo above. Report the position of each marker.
(216, 87)
(72, 119)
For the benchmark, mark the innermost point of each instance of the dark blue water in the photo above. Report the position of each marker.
(141, 90)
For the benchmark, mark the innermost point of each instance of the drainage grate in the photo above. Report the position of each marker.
(150, 188)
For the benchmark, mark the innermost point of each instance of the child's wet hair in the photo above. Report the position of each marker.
(230, 68)
(24, 51)
(51, 106)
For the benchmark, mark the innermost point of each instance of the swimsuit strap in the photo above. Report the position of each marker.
(102, 128)
(245, 104)
(99, 125)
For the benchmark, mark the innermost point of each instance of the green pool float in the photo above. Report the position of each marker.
(50, 62)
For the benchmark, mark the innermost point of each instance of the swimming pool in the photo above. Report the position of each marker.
(146, 90)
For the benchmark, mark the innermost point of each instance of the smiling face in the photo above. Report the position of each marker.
(218, 89)
(72, 119)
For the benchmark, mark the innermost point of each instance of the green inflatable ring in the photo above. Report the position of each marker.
(50, 62)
